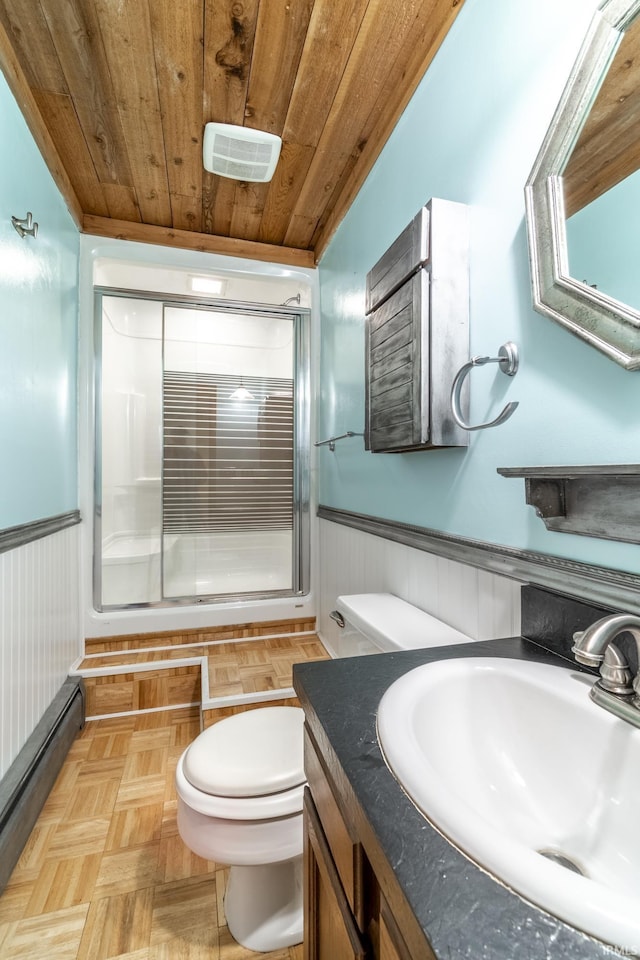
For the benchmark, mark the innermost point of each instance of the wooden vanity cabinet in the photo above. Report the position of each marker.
(331, 931)
(346, 916)
(391, 946)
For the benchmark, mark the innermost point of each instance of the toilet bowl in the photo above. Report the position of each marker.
(241, 782)
(240, 787)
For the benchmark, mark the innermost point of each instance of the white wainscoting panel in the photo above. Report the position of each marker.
(481, 604)
(39, 632)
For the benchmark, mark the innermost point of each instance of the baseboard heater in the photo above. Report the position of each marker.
(29, 779)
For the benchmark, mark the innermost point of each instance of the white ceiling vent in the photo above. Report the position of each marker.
(239, 152)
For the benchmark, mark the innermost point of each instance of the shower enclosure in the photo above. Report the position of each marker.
(202, 450)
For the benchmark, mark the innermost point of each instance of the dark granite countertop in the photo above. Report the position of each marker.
(462, 911)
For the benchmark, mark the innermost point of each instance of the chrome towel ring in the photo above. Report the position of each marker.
(508, 361)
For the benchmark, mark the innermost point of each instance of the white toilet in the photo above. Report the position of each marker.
(380, 622)
(240, 787)
(241, 782)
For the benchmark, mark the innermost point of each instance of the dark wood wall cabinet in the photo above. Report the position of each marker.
(346, 914)
(417, 333)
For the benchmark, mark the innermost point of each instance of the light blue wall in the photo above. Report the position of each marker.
(603, 240)
(471, 134)
(38, 333)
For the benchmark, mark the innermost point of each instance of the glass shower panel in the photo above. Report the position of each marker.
(228, 461)
(129, 521)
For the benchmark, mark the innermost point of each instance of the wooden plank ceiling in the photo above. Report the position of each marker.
(117, 93)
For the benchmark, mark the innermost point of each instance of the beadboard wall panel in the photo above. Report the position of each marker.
(39, 632)
(481, 604)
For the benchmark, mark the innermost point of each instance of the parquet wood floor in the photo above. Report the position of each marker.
(104, 874)
(257, 666)
(239, 668)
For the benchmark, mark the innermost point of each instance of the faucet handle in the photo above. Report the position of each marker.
(616, 677)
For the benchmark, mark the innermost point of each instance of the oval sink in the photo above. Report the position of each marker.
(517, 767)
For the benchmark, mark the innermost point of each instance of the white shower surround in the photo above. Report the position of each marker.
(195, 564)
(161, 266)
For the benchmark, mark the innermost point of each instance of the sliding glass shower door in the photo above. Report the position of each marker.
(203, 417)
(228, 453)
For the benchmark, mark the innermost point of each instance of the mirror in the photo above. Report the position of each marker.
(584, 190)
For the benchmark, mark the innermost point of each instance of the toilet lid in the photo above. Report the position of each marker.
(251, 754)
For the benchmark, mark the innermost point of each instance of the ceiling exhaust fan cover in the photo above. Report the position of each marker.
(239, 152)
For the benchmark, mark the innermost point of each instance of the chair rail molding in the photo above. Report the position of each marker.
(612, 588)
(23, 533)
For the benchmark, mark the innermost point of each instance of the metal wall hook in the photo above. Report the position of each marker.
(508, 361)
(331, 442)
(26, 226)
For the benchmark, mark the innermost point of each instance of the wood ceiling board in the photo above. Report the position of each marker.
(122, 202)
(284, 189)
(249, 201)
(186, 212)
(330, 38)
(218, 198)
(229, 33)
(25, 24)
(128, 45)
(280, 35)
(178, 46)
(63, 123)
(75, 31)
(203, 242)
(386, 31)
(301, 226)
(44, 141)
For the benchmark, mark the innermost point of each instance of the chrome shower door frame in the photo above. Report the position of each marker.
(301, 530)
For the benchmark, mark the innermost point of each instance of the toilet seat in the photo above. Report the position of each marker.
(269, 806)
(246, 767)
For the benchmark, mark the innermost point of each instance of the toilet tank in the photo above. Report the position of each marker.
(380, 622)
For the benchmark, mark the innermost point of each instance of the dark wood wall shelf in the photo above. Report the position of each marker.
(593, 501)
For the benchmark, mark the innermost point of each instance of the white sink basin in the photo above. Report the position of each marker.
(515, 765)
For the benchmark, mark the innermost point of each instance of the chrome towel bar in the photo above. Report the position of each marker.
(331, 442)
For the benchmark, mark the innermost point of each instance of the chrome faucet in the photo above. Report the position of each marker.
(617, 690)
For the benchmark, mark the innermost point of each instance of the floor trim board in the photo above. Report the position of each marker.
(28, 781)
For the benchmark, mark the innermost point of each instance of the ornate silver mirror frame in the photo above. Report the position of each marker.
(605, 323)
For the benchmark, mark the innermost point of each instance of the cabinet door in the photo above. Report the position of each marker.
(346, 852)
(330, 930)
(397, 370)
(388, 949)
(392, 945)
